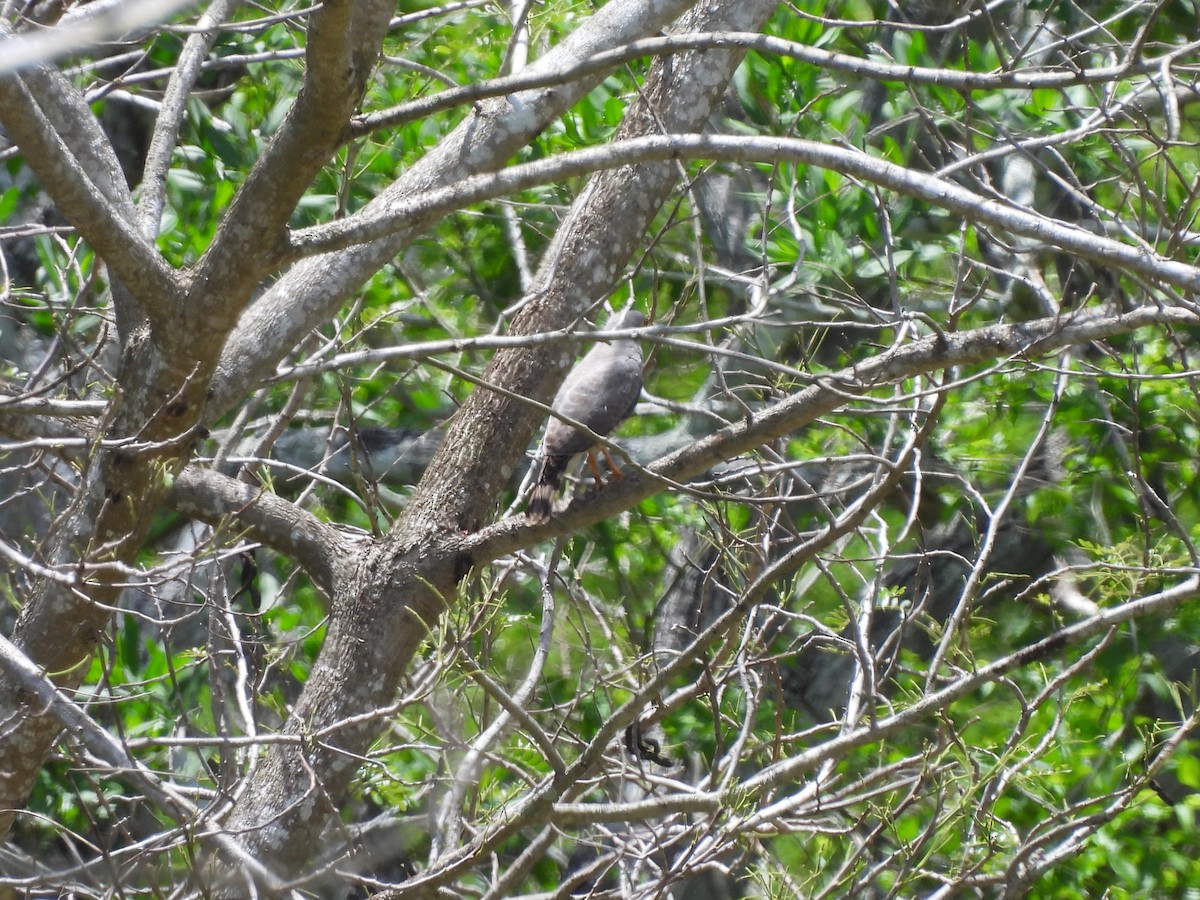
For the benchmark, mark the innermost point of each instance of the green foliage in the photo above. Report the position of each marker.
(1091, 453)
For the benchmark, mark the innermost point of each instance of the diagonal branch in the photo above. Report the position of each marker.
(172, 110)
(96, 207)
(315, 288)
(940, 351)
(343, 41)
(374, 224)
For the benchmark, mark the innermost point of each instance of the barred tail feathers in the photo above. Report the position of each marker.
(541, 502)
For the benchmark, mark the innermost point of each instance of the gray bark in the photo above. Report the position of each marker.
(398, 587)
(168, 358)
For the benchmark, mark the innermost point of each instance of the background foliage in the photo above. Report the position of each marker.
(1042, 490)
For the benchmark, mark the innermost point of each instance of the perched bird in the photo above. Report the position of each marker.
(599, 392)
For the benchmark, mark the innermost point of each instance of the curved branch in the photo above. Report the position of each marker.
(955, 79)
(214, 498)
(97, 208)
(314, 289)
(374, 224)
(940, 351)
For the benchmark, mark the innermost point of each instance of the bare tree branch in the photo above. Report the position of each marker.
(972, 206)
(215, 498)
(312, 290)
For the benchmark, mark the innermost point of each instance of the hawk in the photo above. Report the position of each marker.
(599, 392)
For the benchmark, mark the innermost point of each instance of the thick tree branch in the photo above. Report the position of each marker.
(215, 498)
(164, 374)
(344, 37)
(103, 220)
(314, 289)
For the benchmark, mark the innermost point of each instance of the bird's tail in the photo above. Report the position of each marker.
(541, 501)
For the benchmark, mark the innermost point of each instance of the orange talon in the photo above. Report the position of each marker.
(591, 458)
(612, 464)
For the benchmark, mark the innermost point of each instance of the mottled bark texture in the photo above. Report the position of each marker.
(407, 580)
(316, 288)
(177, 325)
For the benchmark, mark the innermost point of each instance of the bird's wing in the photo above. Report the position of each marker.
(600, 391)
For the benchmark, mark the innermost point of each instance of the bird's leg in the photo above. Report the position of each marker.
(612, 464)
(591, 458)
